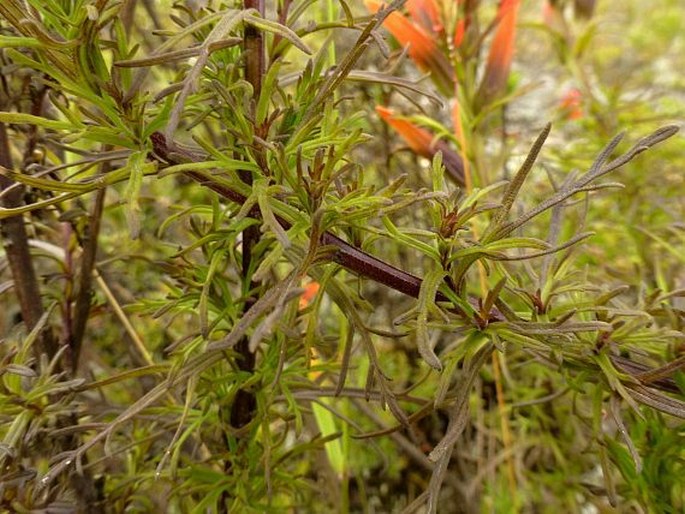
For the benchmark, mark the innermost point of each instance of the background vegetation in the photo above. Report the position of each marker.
(329, 255)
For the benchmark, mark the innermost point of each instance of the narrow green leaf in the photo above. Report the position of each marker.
(515, 186)
(137, 166)
(429, 288)
(19, 42)
(327, 426)
(261, 191)
(277, 28)
(30, 119)
(424, 248)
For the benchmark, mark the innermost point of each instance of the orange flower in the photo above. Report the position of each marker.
(423, 143)
(572, 104)
(418, 139)
(421, 46)
(310, 291)
(459, 31)
(501, 53)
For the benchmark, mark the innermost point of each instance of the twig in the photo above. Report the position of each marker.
(345, 254)
(245, 403)
(15, 241)
(90, 246)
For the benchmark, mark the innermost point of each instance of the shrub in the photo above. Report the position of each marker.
(234, 295)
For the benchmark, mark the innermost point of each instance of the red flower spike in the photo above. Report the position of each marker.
(423, 143)
(422, 47)
(501, 52)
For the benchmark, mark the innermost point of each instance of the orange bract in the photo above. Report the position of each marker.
(310, 291)
(421, 46)
(501, 52)
(459, 31)
(423, 143)
(572, 104)
(426, 13)
(418, 139)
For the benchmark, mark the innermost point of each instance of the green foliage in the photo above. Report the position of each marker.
(246, 300)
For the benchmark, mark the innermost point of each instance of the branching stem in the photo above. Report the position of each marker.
(15, 242)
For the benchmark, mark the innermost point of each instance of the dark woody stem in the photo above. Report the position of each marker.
(244, 405)
(15, 241)
(82, 299)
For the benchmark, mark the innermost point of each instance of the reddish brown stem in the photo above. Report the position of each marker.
(15, 241)
(82, 301)
(245, 403)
